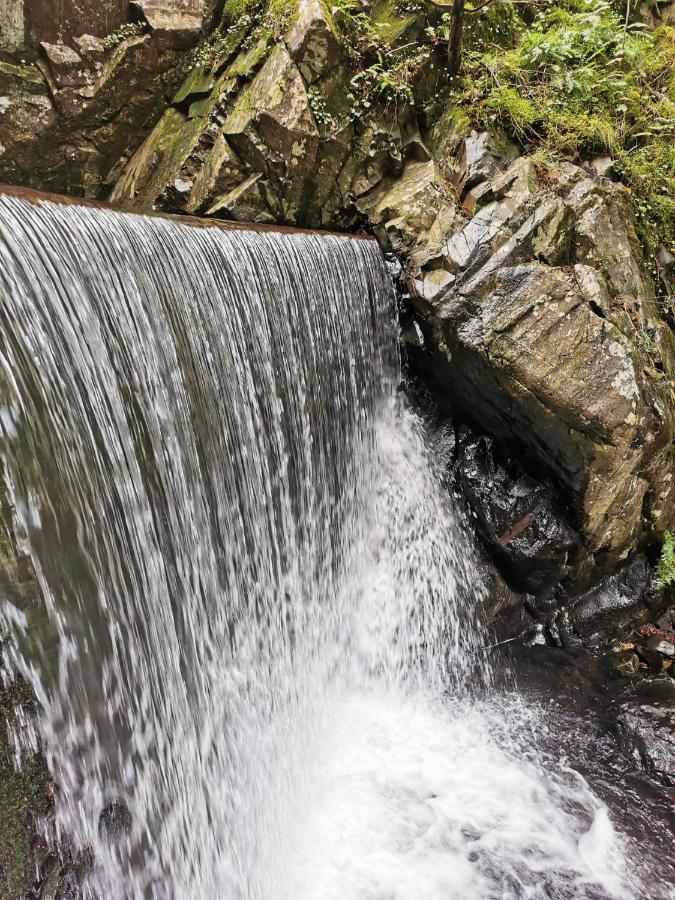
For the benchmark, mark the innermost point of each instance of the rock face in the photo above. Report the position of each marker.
(72, 118)
(519, 517)
(172, 23)
(548, 335)
(33, 21)
(649, 731)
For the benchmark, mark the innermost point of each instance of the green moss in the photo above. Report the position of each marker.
(495, 25)
(25, 796)
(508, 107)
(576, 83)
(273, 15)
(390, 21)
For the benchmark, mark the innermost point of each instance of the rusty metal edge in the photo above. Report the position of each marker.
(34, 196)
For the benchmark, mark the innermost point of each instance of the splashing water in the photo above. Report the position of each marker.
(262, 606)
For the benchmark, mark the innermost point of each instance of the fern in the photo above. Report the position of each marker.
(665, 569)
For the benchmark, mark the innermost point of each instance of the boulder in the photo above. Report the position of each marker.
(418, 202)
(312, 41)
(90, 47)
(649, 731)
(65, 65)
(173, 24)
(615, 602)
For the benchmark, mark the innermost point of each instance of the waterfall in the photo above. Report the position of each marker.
(261, 630)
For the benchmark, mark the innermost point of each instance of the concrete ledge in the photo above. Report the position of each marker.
(32, 196)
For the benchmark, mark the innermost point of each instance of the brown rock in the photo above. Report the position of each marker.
(65, 65)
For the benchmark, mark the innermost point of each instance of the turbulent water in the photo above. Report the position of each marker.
(261, 629)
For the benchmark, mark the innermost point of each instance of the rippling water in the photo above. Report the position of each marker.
(261, 629)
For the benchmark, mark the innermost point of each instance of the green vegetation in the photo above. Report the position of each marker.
(273, 16)
(665, 569)
(567, 79)
(115, 38)
(577, 82)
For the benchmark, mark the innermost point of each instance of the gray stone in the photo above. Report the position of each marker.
(312, 41)
(614, 600)
(649, 730)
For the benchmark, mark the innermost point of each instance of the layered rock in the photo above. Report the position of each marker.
(547, 333)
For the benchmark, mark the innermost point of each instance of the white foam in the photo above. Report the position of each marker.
(409, 800)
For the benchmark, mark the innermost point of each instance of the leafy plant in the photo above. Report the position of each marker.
(665, 569)
(115, 38)
(579, 82)
(318, 106)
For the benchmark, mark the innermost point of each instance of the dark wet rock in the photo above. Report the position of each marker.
(660, 689)
(661, 645)
(615, 602)
(535, 636)
(565, 629)
(115, 820)
(519, 517)
(649, 732)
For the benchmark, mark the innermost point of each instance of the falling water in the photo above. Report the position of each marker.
(261, 628)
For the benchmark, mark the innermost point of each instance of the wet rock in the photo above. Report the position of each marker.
(565, 628)
(535, 636)
(649, 731)
(661, 645)
(615, 601)
(115, 820)
(660, 689)
(538, 339)
(519, 517)
(649, 657)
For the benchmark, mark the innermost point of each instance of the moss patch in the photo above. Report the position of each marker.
(577, 83)
(25, 797)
